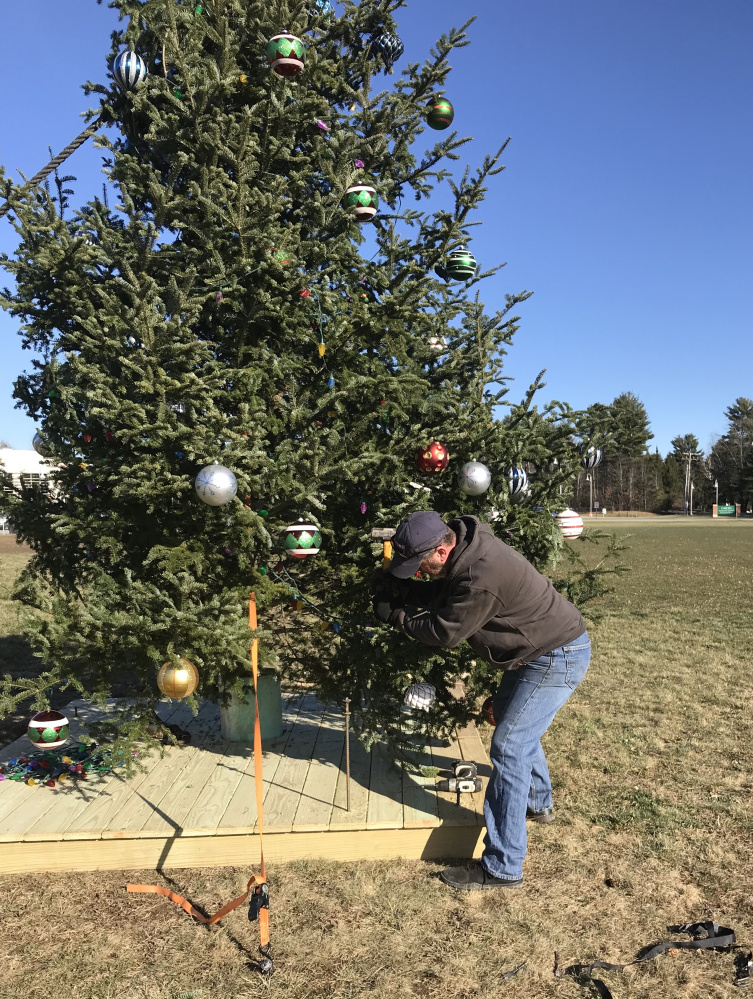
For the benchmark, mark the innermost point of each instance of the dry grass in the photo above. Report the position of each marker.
(653, 761)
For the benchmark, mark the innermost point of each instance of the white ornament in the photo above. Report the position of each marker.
(438, 344)
(420, 696)
(474, 478)
(570, 523)
(216, 485)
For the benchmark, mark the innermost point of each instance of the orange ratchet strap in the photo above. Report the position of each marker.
(257, 884)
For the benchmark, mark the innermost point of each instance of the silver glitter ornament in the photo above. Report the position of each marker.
(474, 478)
(216, 485)
(420, 696)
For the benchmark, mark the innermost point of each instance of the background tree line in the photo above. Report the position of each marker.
(633, 477)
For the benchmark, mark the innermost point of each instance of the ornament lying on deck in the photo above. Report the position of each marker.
(48, 729)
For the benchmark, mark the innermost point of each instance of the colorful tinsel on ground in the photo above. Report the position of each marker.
(60, 765)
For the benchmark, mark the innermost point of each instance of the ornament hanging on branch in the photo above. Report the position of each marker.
(286, 54)
(129, 70)
(48, 729)
(321, 8)
(361, 202)
(517, 479)
(216, 485)
(390, 48)
(301, 539)
(439, 113)
(39, 445)
(591, 457)
(178, 680)
(438, 344)
(433, 459)
(474, 478)
(420, 696)
(460, 265)
(570, 523)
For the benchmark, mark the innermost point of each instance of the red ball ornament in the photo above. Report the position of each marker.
(48, 729)
(433, 459)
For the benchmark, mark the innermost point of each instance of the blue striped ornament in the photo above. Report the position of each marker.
(129, 70)
(517, 479)
(591, 457)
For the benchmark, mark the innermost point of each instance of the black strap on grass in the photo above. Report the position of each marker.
(716, 938)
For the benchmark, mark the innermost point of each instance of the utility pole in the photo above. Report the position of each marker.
(689, 456)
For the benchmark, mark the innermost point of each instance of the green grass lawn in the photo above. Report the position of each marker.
(653, 765)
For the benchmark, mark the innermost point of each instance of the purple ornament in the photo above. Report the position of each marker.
(91, 486)
(363, 508)
(358, 164)
(323, 125)
(219, 296)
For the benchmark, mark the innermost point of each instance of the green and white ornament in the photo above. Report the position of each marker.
(460, 265)
(286, 54)
(361, 202)
(48, 729)
(301, 539)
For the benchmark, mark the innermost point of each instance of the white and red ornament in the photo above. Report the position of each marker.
(301, 539)
(286, 54)
(361, 202)
(433, 459)
(48, 729)
(570, 523)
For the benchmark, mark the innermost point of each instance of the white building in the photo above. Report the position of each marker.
(22, 468)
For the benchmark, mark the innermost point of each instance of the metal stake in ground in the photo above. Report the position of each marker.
(347, 754)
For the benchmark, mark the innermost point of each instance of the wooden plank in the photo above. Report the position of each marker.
(108, 803)
(281, 800)
(71, 799)
(38, 802)
(419, 796)
(360, 770)
(240, 813)
(192, 766)
(472, 748)
(385, 810)
(318, 793)
(448, 808)
(215, 796)
(226, 850)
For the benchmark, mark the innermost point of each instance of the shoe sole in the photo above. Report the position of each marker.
(542, 819)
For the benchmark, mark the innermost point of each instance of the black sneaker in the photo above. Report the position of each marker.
(475, 878)
(547, 815)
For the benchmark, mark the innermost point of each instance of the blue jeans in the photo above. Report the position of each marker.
(525, 704)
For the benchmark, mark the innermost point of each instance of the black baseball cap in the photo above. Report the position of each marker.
(415, 538)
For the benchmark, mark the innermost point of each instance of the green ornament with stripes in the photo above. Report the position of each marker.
(439, 113)
(461, 265)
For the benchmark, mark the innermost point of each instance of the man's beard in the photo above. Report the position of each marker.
(436, 569)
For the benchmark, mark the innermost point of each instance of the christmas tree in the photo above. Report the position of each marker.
(270, 282)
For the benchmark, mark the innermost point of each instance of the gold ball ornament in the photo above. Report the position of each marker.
(179, 680)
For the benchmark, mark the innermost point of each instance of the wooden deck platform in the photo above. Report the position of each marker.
(195, 806)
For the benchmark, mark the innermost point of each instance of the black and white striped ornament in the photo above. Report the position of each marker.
(591, 457)
(129, 70)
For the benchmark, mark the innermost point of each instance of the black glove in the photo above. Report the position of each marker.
(382, 581)
(386, 605)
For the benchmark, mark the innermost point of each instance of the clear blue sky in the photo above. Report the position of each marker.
(625, 206)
